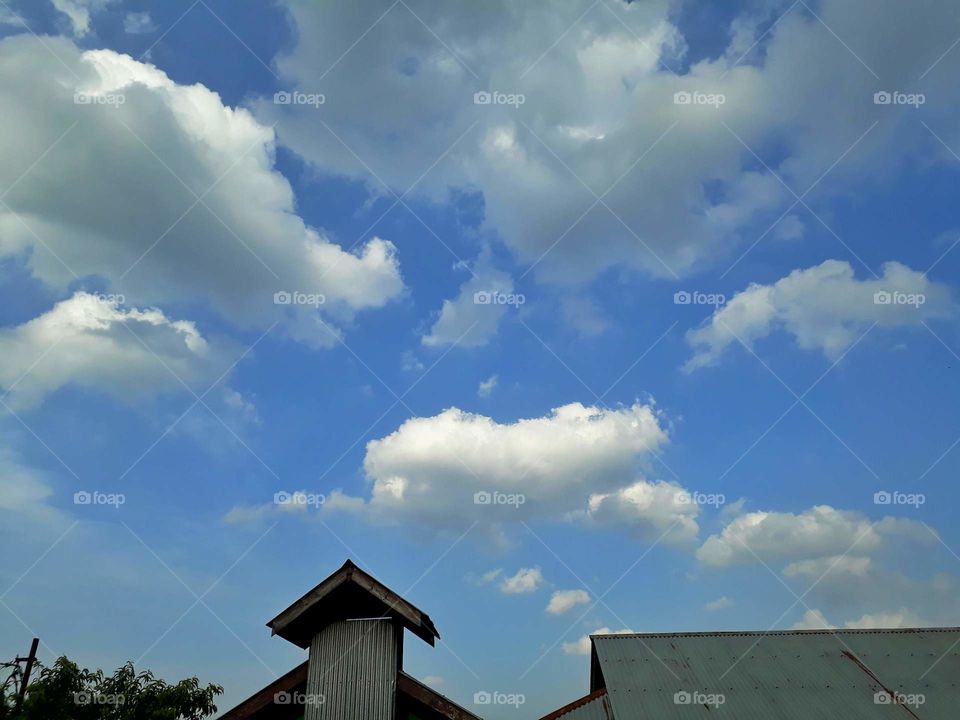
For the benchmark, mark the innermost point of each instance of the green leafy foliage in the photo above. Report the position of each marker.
(65, 691)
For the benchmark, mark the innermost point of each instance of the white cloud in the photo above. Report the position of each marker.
(430, 470)
(651, 510)
(581, 646)
(137, 23)
(525, 580)
(817, 568)
(721, 603)
(812, 620)
(600, 99)
(565, 600)
(145, 148)
(24, 491)
(818, 533)
(491, 575)
(902, 618)
(472, 318)
(9, 17)
(583, 315)
(303, 502)
(92, 341)
(824, 307)
(487, 386)
(79, 12)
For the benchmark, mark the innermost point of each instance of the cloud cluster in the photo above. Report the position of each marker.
(814, 535)
(565, 600)
(823, 307)
(848, 564)
(903, 618)
(456, 468)
(525, 580)
(93, 341)
(678, 182)
(179, 200)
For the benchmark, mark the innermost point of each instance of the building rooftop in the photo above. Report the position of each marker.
(349, 592)
(789, 675)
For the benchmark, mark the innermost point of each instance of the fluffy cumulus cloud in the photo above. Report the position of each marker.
(824, 308)
(179, 199)
(456, 468)
(525, 580)
(565, 600)
(598, 116)
(815, 534)
(93, 341)
(860, 571)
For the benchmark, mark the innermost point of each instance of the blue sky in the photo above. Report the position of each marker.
(710, 464)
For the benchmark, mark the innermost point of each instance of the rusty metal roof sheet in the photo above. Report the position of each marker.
(849, 674)
(595, 706)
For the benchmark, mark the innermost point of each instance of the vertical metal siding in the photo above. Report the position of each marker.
(353, 670)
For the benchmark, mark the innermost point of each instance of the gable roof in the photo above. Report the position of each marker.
(783, 674)
(409, 687)
(349, 592)
(263, 704)
(264, 701)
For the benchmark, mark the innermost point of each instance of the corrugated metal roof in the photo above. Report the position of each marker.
(352, 672)
(795, 675)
